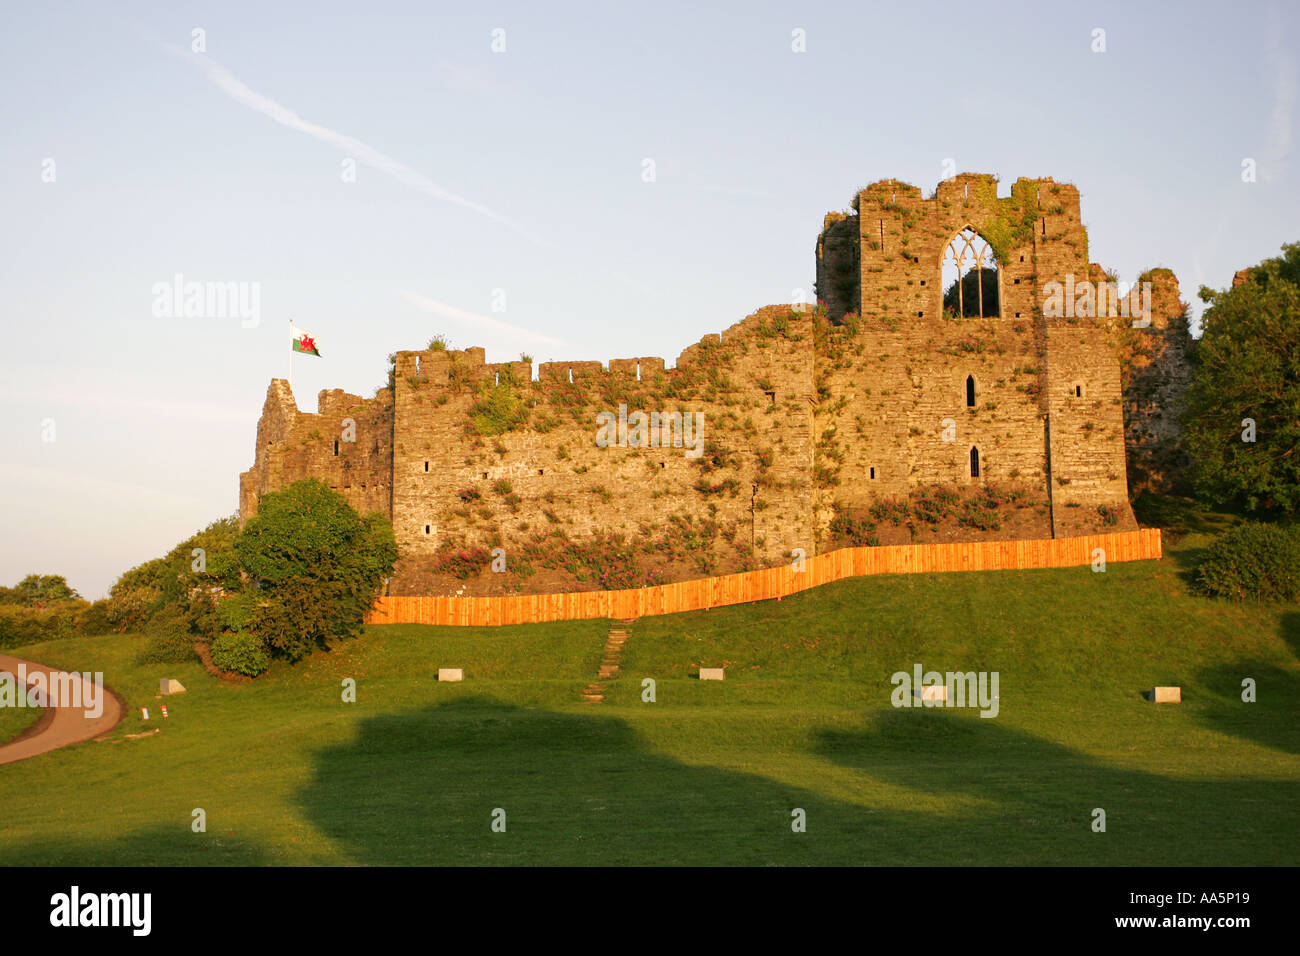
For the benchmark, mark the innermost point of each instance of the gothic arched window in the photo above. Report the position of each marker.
(970, 277)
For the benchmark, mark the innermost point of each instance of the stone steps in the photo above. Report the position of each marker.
(610, 660)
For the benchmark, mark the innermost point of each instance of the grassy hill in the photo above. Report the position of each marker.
(709, 774)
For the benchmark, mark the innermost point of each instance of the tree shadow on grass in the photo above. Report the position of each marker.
(1271, 719)
(1186, 563)
(1049, 791)
(148, 846)
(1290, 628)
(420, 788)
(1178, 516)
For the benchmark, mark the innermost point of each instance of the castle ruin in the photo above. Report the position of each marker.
(1008, 377)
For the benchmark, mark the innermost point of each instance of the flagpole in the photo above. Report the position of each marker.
(291, 356)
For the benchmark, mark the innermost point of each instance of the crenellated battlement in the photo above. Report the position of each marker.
(799, 416)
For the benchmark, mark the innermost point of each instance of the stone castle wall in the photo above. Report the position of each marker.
(805, 413)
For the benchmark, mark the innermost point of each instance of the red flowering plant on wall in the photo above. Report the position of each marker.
(461, 562)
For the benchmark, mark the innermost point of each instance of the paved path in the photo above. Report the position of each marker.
(59, 726)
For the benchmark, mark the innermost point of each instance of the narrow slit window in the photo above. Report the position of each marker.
(873, 474)
(336, 448)
(970, 391)
(974, 462)
(426, 466)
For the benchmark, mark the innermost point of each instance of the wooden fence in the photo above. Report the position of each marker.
(768, 583)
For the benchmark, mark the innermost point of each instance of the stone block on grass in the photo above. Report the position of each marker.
(170, 686)
(712, 673)
(450, 674)
(1166, 695)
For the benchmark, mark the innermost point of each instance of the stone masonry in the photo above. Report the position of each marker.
(806, 411)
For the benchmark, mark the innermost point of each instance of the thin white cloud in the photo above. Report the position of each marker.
(1283, 67)
(241, 93)
(473, 318)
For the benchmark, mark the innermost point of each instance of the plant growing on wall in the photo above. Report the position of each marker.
(499, 408)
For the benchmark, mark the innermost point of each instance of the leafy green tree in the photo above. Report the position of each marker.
(131, 608)
(38, 590)
(317, 564)
(1247, 386)
(972, 283)
(150, 574)
(187, 578)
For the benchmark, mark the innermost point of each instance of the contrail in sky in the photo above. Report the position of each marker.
(464, 315)
(240, 92)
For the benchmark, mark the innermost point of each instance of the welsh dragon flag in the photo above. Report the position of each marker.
(303, 341)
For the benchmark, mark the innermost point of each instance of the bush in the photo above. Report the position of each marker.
(235, 611)
(94, 619)
(854, 529)
(28, 625)
(181, 570)
(240, 652)
(1260, 562)
(130, 608)
(461, 562)
(167, 639)
(979, 513)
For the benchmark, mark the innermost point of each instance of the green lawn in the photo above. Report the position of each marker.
(709, 773)
(14, 720)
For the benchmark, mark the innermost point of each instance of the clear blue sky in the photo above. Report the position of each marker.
(523, 171)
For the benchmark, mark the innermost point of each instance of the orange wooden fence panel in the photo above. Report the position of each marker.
(767, 583)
